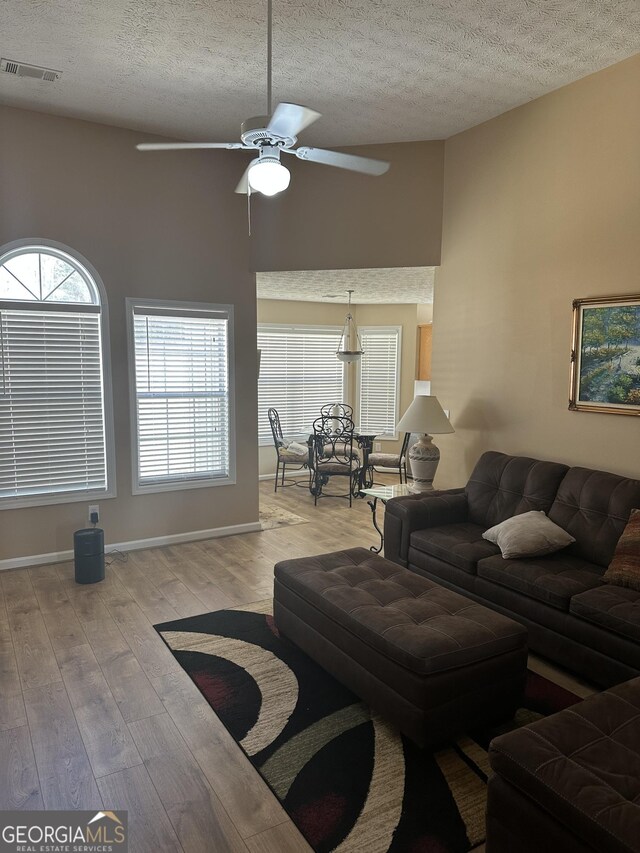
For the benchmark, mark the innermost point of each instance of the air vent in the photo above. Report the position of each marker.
(22, 69)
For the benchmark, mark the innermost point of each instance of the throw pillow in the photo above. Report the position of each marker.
(530, 534)
(300, 449)
(624, 569)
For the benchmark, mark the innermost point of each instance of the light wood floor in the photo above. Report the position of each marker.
(95, 712)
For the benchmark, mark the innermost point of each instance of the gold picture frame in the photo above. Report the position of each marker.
(605, 355)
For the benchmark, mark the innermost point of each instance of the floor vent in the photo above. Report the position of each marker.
(22, 69)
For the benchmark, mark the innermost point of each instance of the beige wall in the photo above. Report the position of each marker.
(333, 219)
(542, 206)
(153, 226)
(330, 314)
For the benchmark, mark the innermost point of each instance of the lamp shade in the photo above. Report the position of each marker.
(425, 415)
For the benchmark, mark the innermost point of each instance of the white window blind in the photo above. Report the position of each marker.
(379, 380)
(182, 402)
(299, 373)
(51, 406)
(53, 445)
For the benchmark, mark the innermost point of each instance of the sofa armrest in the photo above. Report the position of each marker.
(405, 514)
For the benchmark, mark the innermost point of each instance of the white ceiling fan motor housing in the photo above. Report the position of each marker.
(253, 132)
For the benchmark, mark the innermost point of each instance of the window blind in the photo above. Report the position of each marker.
(181, 395)
(299, 373)
(52, 437)
(379, 378)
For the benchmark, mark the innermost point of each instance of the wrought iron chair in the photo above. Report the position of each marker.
(392, 460)
(341, 410)
(337, 410)
(332, 454)
(285, 456)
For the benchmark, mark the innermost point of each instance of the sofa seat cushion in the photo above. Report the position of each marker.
(613, 607)
(401, 615)
(460, 544)
(582, 767)
(553, 579)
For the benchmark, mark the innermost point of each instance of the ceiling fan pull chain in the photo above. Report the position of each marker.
(249, 207)
(269, 62)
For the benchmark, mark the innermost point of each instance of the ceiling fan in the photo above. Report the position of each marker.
(273, 135)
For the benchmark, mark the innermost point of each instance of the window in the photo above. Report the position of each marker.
(181, 401)
(379, 380)
(299, 373)
(56, 438)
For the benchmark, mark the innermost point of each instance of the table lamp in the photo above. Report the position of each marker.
(424, 415)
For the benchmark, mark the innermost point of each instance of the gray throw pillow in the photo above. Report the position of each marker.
(530, 534)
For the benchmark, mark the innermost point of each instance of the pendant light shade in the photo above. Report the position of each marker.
(349, 348)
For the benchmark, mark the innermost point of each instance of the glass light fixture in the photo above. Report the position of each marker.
(268, 176)
(349, 348)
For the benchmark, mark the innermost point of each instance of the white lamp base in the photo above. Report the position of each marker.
(424, 457)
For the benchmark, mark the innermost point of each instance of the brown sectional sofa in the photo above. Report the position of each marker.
(573, 616)
(569, 782)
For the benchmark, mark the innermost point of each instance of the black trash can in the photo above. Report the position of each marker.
(88, 554)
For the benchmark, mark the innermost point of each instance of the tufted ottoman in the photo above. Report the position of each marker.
(430, 660)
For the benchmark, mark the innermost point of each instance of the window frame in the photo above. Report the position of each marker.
(37, 244)
(185, 484)
(327, 328)
(362, 330)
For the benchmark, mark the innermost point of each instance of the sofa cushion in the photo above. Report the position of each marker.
(594, 507)
(624, 569)
(501, 486)
(615, 608)
(460, 544)
(530, 534)
(553, 579)
(582, 766)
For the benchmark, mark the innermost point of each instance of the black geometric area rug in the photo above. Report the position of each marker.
(347, 778)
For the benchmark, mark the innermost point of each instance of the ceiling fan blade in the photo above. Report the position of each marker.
(291, 119)
(174, 146)
(343, 161)
(243, 183)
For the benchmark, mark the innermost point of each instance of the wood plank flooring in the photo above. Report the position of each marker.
(95, 712)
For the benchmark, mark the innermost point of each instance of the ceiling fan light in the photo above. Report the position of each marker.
(268, 176)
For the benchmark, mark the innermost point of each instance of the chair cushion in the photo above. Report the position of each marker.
(334, 467)
(615, 608)
(582, 766)
(385, 460)
(530, 534)
(553, 579)
(460, 544)
(292, 456)
(624, 569)
(594, 507)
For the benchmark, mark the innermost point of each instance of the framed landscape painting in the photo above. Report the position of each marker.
(605, 355)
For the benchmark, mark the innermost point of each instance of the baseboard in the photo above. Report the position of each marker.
(134, 545)
(288, 476)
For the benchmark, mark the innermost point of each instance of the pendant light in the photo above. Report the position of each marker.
(349, 348)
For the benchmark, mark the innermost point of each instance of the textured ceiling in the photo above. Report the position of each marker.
(413, 285)
(378, 70)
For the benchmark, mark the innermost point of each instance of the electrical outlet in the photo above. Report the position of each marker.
(377, 446)
(94, 508)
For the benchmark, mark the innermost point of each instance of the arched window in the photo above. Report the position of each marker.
(55, 435)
